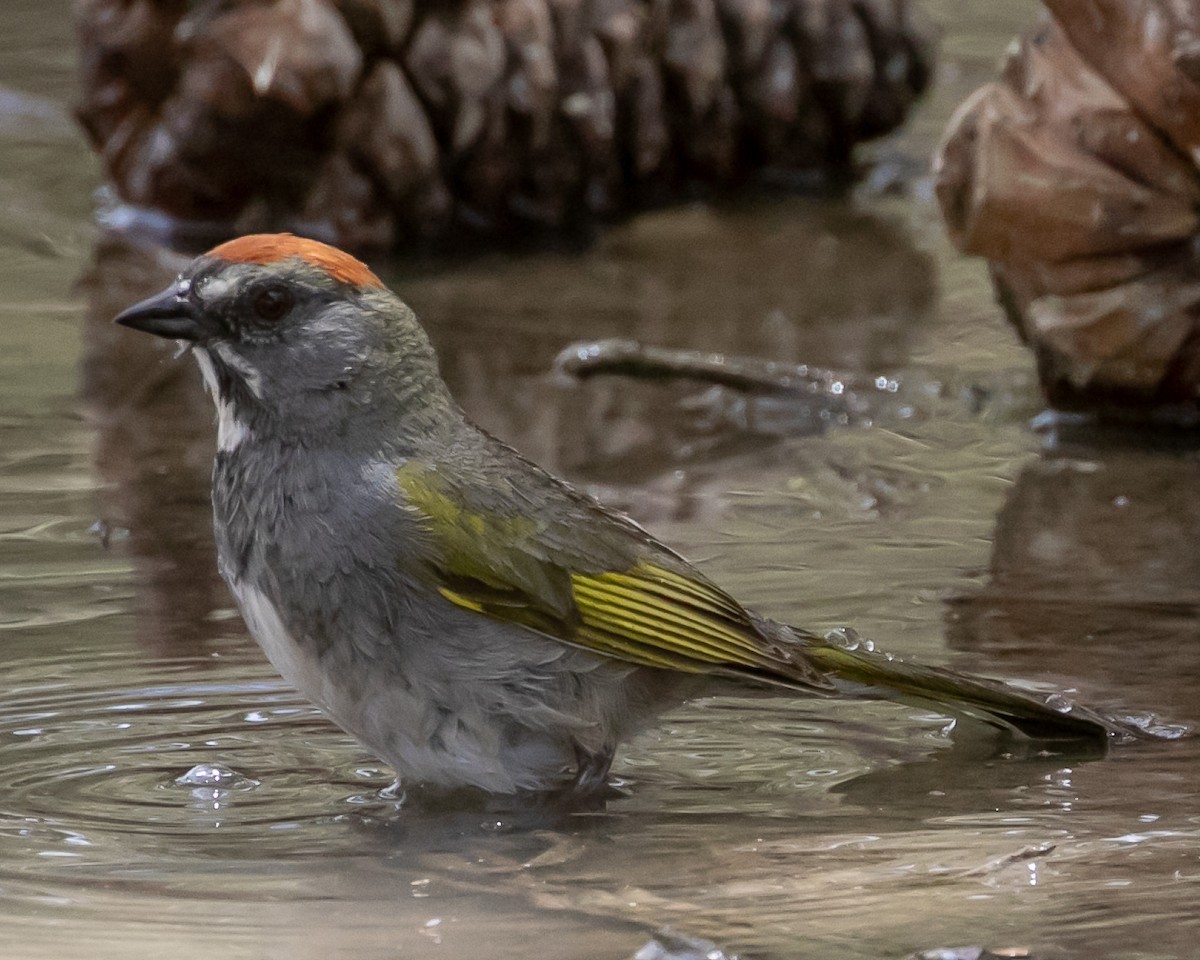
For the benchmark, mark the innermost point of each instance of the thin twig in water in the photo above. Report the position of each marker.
(750, 375)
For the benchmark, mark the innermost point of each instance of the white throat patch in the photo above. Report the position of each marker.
(230, 430)
(237, 363)
(206, 370)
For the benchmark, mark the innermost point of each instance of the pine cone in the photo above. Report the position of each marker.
(380, 121)
(1075, 174)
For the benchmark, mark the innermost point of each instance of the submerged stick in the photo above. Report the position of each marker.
(630, 358)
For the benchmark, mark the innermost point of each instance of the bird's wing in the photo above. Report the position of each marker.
(572, 571)
(527, 550)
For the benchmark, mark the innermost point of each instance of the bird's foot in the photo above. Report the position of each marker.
(591, 774)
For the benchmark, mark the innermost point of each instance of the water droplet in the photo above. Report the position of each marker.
(216, 775)
(393, 791)
(669, 945)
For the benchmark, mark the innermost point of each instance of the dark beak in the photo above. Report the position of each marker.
(166, 314)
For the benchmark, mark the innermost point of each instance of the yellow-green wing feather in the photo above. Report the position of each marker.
(620, 599)
(666, 614)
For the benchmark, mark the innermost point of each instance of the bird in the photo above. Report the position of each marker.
(473, 620)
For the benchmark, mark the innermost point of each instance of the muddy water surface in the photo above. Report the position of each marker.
(162, 792)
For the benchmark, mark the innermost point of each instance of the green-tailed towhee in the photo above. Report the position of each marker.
(470, 618)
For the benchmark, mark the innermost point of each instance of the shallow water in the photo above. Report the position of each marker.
(161, 790)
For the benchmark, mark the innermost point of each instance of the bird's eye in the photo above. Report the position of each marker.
(271, 303)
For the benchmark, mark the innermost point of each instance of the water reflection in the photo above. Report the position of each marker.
(764, 280)
(1095, 573)
(153, 452)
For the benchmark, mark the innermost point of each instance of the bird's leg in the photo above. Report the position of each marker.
(591, 769)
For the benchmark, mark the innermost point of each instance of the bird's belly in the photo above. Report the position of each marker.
(445, 740)
(299, 665)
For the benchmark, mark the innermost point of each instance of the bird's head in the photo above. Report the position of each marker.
(294, 332)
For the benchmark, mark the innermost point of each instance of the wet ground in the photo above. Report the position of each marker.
(162, 792)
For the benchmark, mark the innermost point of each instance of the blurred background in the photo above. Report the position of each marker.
(161, 789)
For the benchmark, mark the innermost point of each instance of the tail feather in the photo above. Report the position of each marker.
(859, 671)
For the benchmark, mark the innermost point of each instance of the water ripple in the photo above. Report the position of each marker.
(90, 768)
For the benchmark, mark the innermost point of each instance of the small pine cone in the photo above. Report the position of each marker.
(506, 111)
(1070, 175)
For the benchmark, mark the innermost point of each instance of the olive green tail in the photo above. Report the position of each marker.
(863, 672)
